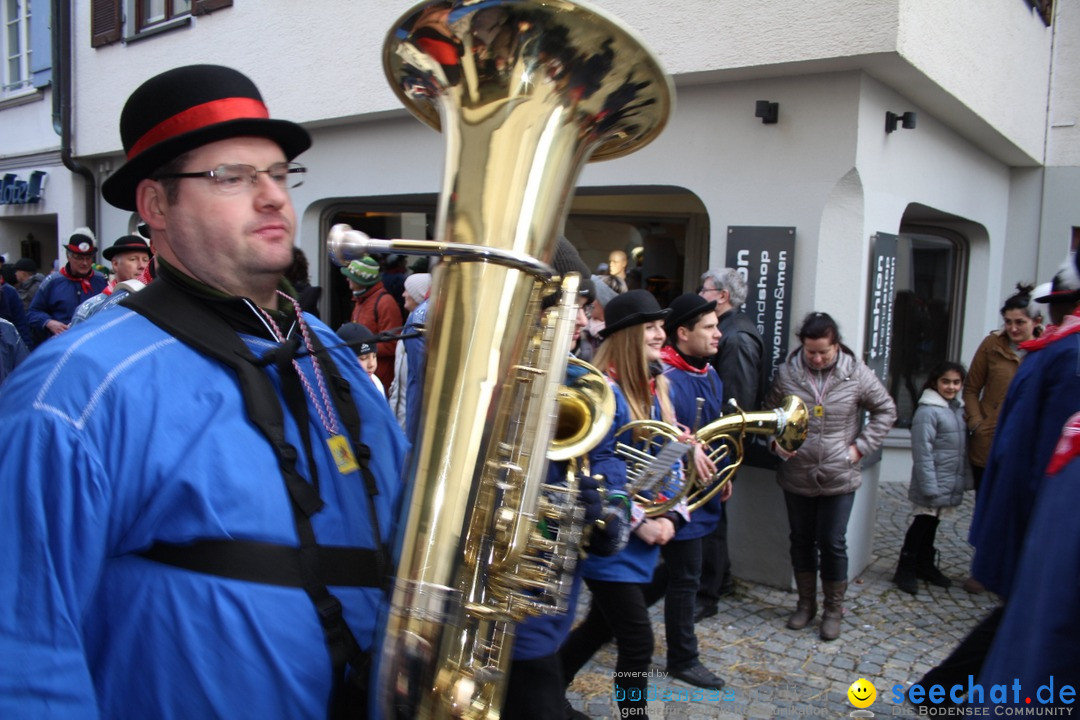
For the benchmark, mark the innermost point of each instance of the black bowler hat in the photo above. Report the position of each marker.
(185, 108)
(128, 243)
(684, 309)
(633, 307)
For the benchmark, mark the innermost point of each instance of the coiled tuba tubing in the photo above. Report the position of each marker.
(524, 92)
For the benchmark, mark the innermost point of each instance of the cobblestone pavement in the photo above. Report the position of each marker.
(888, 637)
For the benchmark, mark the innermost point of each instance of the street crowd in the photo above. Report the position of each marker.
(202, 481)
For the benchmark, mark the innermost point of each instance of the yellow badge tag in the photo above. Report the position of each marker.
(819, 411)
(343, 454)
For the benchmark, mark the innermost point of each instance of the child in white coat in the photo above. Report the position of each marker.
(940, 473)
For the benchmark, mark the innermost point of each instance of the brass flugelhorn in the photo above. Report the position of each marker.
(725, 437)
(525, 92)
(723, 440)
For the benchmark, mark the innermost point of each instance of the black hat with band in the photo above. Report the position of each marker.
(185, 108)
(633, 307)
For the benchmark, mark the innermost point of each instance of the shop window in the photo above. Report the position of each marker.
(657, 241)
(927, 314)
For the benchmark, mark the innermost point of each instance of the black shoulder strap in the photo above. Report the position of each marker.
(271, 564)
(190, 321)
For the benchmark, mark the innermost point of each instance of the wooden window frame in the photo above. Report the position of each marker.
(25, 81)
(107, 18)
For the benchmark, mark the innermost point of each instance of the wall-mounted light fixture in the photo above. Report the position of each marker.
(769, 112)
(907, 121)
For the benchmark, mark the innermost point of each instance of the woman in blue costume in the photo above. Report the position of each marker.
(633, 339)
(535, 687)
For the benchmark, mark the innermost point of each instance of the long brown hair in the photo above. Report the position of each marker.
(622, 355)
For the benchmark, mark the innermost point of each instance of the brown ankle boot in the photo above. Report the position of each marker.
(806, 609)
(834, 608)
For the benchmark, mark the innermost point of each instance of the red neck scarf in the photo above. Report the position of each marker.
(84, 281)
(1068, 446)
(670, 356)
(1068, 326)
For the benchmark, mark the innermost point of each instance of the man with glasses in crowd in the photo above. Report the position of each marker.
(54, 303)
(200, 464)
(130, 257)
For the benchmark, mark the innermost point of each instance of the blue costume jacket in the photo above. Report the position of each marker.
(541, 636)
(686, 387)
(12, 349)
(1044, 392)
(11, 309)
(1037, 635)
(129, 437)
(635, 563)
(57, 298)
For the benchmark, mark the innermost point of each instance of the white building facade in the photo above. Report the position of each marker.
(40, 198)
(978, 195)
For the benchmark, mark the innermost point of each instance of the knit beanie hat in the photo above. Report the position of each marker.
(604, 293)
(359, 338)
(418, 285)
(567, 259)
(364, 272)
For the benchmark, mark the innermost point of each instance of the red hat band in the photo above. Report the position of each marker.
(200, 116)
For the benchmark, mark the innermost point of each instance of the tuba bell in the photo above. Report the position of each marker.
(525, 92)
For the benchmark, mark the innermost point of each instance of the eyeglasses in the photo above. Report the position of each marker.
(230, 179)
(704, 289)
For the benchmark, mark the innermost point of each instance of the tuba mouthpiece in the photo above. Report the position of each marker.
(345, 244)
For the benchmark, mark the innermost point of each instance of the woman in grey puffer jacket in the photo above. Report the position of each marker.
(939, 473)
(820, 479)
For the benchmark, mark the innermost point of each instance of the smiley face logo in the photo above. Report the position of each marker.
(862, 693)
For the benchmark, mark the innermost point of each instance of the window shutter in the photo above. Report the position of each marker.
(204, 7)
(41, 42)
(106, 22)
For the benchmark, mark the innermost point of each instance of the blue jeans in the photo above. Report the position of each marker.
(819, 526)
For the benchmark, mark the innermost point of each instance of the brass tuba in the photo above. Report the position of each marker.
(723, 439)
(525, 92)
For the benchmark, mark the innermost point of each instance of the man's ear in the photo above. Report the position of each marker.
(151, 203)
(682, 333)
